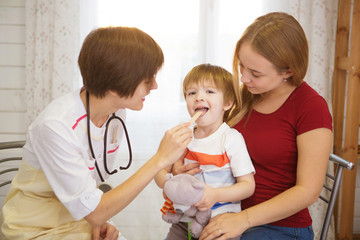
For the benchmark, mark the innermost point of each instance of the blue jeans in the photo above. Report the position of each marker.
(269, 232)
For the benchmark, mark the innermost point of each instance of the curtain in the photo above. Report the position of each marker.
(52, 41)
(319, 19)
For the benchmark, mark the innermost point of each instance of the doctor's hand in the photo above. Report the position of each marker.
(106, 232)
(173, 144)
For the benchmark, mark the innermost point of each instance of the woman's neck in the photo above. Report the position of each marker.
(285, 89)
(274, 99)
(99, 111)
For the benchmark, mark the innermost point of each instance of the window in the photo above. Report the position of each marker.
(189, 32)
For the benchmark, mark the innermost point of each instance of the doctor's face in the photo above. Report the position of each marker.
(136, 101)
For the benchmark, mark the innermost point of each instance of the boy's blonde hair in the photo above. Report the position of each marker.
(222, 80)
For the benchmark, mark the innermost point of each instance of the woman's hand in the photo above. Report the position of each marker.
(225, 226)
(107, 232)
(173, 144)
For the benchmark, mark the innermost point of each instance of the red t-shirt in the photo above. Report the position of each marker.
(271, 142)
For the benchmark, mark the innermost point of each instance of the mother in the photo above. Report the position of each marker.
(287, 128)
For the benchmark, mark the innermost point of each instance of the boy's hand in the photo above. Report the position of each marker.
(208, 199)
(179, 167)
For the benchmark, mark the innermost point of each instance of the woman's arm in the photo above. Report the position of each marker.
(172, 146)
(243, 188)
(313, 154)
(160, 178)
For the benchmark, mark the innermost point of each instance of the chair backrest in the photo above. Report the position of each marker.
(340, 164)
(9, 152)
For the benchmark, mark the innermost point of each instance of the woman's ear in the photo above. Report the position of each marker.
(113, 93)
(288, 73)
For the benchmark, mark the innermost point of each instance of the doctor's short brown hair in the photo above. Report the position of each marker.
(118, 59)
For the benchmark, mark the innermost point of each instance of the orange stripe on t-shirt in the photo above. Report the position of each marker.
(206, 159)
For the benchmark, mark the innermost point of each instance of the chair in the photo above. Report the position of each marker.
(334, 189)
(9, 156)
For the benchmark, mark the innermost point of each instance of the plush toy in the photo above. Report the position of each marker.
(183, 191)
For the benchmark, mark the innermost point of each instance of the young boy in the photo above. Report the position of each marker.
(225, 164)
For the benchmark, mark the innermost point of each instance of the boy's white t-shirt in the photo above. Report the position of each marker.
(223, 156)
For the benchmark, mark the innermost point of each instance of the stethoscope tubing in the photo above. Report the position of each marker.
(105, 141)
(127, 139)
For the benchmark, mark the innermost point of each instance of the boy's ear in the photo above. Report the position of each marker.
(228, 105)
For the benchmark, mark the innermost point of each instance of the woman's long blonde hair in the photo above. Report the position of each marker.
(280, 39)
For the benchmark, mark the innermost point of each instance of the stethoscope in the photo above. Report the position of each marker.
(105, 141)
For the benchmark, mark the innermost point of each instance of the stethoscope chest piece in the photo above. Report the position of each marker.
(105, 187)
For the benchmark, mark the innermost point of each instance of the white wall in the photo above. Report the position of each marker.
(12, 70)
(12, 79)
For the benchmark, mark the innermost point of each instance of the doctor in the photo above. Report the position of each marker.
(55, 194)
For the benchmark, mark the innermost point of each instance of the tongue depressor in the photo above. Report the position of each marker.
(195, 117)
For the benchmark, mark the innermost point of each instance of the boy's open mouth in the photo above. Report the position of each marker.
(203, 109)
